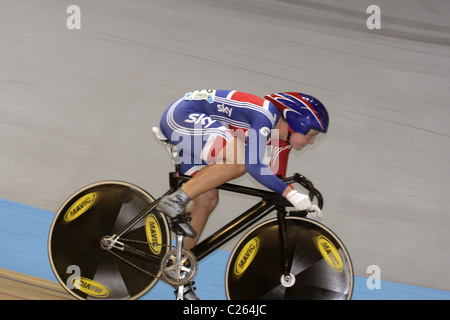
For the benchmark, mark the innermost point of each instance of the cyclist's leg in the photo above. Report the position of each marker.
(203, 142)
(201, 209)
(201, 187)
(227, 166)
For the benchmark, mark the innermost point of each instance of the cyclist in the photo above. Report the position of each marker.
(222, 134)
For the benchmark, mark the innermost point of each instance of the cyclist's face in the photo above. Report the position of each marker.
(299, 141)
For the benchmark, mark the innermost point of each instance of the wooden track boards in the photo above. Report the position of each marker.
(18, 286)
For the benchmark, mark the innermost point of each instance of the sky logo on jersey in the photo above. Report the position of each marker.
(224, 109)
(200, 118)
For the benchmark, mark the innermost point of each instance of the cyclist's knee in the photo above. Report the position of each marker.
(213, 198)
(240, 170)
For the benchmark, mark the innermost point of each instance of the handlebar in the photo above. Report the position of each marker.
(308, 185)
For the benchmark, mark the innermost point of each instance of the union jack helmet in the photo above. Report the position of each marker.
(301, 111)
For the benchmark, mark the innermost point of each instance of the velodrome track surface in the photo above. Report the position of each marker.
(25, 252)
(77, 106)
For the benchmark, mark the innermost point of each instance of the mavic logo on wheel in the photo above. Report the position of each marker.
(154, 235)
(81, 206)
(330, 254)
(90, 287)
(246, 256)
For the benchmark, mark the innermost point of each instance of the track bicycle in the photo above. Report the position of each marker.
(107, 241)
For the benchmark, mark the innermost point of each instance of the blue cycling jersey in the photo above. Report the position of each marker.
(202, 120)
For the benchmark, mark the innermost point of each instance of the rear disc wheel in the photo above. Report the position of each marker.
(76, 246)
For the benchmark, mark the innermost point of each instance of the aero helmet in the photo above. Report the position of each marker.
(302, 112)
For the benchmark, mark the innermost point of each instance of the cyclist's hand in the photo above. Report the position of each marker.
(299, 201)
(314, 213)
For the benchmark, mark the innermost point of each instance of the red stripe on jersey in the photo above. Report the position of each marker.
(244, 97)
(279, 157)
(247, 97)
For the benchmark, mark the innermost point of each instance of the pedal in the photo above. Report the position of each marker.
(180, 224)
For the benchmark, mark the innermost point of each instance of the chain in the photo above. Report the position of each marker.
(134, 265)
(148, 242)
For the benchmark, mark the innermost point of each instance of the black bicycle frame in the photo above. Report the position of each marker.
(270, 201)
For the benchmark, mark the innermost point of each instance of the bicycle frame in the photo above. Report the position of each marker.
(270, 201)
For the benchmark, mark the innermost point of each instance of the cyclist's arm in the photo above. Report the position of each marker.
(256, 145)
(255, 150)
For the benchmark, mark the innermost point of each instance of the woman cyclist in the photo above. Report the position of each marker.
(222, 134)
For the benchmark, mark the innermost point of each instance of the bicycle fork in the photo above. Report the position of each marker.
(287, 279)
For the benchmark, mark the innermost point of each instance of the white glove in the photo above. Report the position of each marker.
(314, 213)
(299, 201)
(302, 202)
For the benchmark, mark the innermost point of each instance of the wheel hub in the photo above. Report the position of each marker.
(287, 281)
